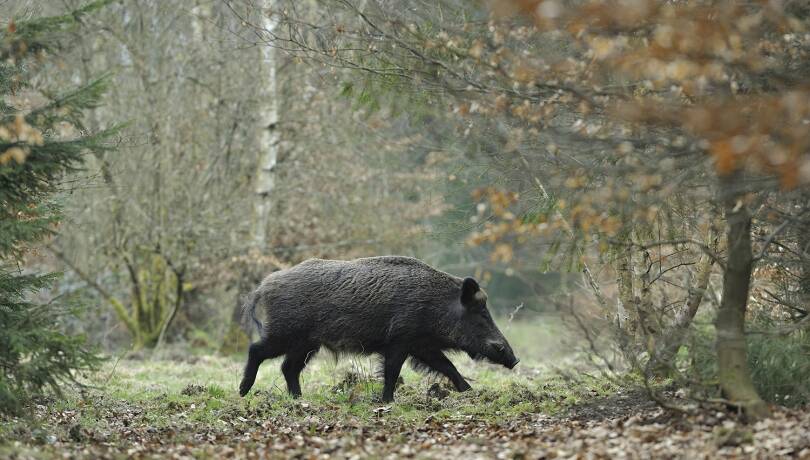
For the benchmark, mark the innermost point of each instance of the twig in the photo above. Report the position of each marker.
(770, 239)
(703, 246)
(515, 311)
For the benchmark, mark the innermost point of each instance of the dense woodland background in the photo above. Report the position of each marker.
(361, 169)
(634, 172)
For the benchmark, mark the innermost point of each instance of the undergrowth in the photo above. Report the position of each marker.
(780, 364)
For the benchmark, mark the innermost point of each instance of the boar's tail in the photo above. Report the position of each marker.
(249, 312)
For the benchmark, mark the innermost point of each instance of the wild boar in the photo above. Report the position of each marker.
(397, 307)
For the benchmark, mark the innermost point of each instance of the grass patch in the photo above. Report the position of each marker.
(196, 397)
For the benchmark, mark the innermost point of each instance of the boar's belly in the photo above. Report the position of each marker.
(352, 336)
(353, 346)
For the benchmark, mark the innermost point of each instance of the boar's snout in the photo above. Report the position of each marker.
(503, 354)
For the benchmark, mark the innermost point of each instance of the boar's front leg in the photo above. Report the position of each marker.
(394, 358)
(437, 361)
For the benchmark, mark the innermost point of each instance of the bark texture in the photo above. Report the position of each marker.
(269, 136)
(733, 372)
(626, 314)
(804, 248)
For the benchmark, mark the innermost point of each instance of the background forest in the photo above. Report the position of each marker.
(627, 179)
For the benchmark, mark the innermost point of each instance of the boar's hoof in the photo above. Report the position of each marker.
(463, 386)
(243, 389)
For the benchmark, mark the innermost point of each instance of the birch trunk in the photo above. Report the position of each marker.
(268, 134)
(267, 141)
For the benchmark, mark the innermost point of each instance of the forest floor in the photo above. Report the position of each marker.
(186, 406)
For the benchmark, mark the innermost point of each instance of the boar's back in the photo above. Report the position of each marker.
(359, 305)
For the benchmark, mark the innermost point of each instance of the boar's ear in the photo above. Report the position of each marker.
(469, 288)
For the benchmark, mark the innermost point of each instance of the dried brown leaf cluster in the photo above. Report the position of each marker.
(20, 136)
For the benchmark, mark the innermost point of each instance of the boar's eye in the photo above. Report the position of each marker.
(482, 318)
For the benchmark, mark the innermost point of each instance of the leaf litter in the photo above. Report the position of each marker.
(426, 422)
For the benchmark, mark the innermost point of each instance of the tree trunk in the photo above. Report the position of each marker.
(734, 375)
(268, 139)
(647, 321)
(804, 253)
(626, 316)
(268, 135)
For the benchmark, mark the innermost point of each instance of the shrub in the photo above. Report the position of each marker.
(780, 364)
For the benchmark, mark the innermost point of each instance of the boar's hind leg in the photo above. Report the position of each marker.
(436, 360)
(293, 364)
(257, 353)
(393, 359)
